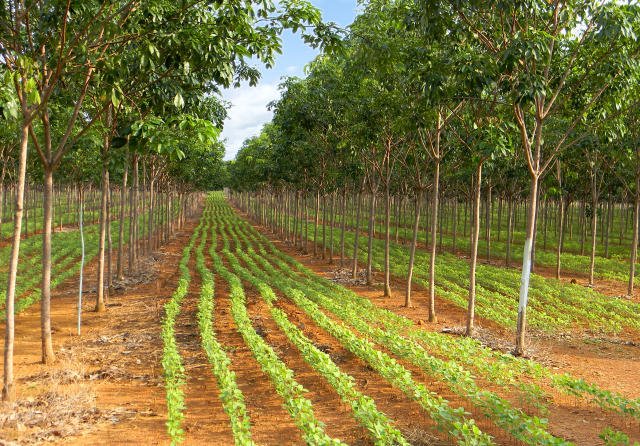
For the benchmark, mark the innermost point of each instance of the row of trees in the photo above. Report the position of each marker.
(510, 99)
(91, 91)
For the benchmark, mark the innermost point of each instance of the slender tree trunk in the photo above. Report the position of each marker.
(45, 301)
(100, 306)
(499, 218)
(475, 233)
(82, 253)
(560, 236)
(414, 243)
(387, 235)
(608, 229)
(583, 226)
(594, 224)
(306, 226)
(109, 244)
(432, 257)
(324, 226)
(622, 206)
(634, 243)
(343, 225)
(488, 224)
(455, 225)
(526, 269)
(152, 211)
(316, 223)
(333, 221)
(372, 216)
(130, 246)
(8, 390)
(354, 271)
(295, 220)
(123, 194)
(135, 204)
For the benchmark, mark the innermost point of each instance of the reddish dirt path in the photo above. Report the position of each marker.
(107, 382)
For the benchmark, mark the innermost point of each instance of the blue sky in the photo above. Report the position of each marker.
(248, 111)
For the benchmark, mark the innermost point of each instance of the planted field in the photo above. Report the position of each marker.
(465, 393)
(423, 229)
(554, 305)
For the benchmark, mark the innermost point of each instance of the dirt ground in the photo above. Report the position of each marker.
(107, 388)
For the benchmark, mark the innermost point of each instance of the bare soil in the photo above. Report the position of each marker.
(107, 387)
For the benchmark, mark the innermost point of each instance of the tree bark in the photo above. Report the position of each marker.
(634, 243)
(414, 243)
(372, 216)
(608, 229)
(526, 269)
(48, 356)
(475, 233)
(316, 222)
(594, 225)
(387, 235)
(432, 258)
(354, 271)
(100, 306)
(561, 217)
(8, 390)
(123, 195)
(332, 217)
(488, 224)
(343, 226)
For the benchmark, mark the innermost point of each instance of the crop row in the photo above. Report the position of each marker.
(494, 366)
(529, 429)
(554, 305)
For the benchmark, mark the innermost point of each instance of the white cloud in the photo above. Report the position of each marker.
(247, 115)
(292, 69)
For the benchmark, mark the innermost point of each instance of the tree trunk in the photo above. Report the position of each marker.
(499, 218)
(343, 226)
(45, 301)
(152, 212)
(432, 257)
(354, 271)
(316, 222)
(81, 280)
(561, 217)
(488, 224)
(109, 244)
(634, 243)
(100, 306)
(332, 222)
(526, 269)
(475, 233)
(414, 243)
(583, 226)
(372, 216)
(8, 390)
(387, 235)
(594, 224)
(455, 225)
(123, 194)
(324, 226)
(608, 229)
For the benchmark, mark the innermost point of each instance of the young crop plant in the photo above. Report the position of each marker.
(299, 407)
(174, 372)
(503, 369)
(230, 394)
(363, 407)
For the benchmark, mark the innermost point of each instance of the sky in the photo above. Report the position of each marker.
(248, 112)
